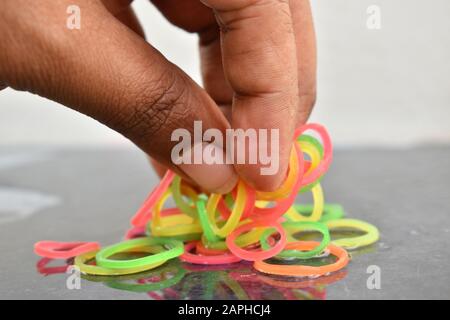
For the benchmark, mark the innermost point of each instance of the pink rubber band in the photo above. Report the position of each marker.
(327, 149)
(256, 255)
(144, 214)
(225, 258)
(135, 232)
(63, 250)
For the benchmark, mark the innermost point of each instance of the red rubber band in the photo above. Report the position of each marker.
(63, 250)
(225, 258)
(256, 255)
(144, 214)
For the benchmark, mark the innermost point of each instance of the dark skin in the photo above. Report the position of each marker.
(258, 61)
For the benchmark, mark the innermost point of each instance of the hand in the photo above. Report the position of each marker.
(257, 57)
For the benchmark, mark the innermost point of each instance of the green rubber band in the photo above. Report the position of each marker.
(204, 222)
(102, 257)
(313, 141)
(299, 226)
(331, 211)
(147, 287)
(178, 198)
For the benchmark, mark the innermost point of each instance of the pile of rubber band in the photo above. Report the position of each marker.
(250, 225)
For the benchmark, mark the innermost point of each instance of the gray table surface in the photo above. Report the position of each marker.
(68, 195)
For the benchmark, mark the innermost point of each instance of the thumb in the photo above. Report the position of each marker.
(106, 71)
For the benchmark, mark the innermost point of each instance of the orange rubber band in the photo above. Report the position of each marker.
(301, 270)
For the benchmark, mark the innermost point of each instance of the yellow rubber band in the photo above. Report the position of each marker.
(288, 184)
(316, 214)
(372, 234)
(236, 213)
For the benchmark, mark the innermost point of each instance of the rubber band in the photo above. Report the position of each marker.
(294, 227)
(253, 255)
(178, 197)
(267, 215)
(288, 184)
(41, 267)
(102, 257)
(204, 222)
(63, 250)
(81, 262)
(236, 213)
(144, 213)
(317, 209)
(174, 225)
(244, 240)
(372, 234)
(201, 249)
(327, 150)
(301, 270)
(224, 258)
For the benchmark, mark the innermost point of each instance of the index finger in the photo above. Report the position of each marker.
(260, 62)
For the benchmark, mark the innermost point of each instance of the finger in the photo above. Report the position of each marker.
(306, 57)
(106, 71)
(260, 62)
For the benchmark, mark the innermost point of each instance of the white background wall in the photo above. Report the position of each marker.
(375, 87)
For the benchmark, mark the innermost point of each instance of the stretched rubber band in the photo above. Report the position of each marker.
(63, 250)
(293, 227)
(144, 214)
(372, 234)
(305, 271)
(224, 258)
(102, 257)
(253, 255)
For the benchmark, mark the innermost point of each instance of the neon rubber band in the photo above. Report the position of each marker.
(81, 262)
(201, 249)
(244, 240)
(102, 257)
(294, 227)
(204, 222)
(236, 213)
(41, 267)
(305, 271)
(253, 255)
(288, 184)
(144, 214)
(224, 258)
(178, 197)
(267, 215)
(317, 209)
(63, 250)
(372, 234)
(327, 150)
(174, 225)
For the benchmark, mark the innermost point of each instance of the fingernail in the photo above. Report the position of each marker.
(214, 177)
